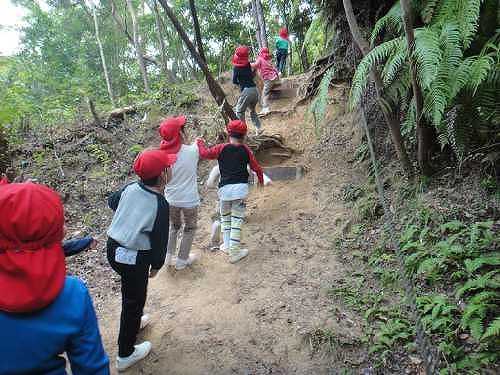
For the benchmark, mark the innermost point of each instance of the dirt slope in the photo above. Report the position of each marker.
(262, 315)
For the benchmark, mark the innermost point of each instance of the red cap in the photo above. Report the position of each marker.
(169, 130)
(150, 163)
(283, 32)
(236, 127)
(264, 53)
(240, 57)
(32, 266)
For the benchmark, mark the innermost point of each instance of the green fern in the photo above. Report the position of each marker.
(488, 280)
(472, 265)
(391, 22)
(466, 12)
(317, 109)
(492, 330)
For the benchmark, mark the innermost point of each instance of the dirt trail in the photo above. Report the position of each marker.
(260, 315)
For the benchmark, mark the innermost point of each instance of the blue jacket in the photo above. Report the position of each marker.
(31, 343)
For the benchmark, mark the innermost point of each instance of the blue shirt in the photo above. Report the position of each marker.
(31, 343)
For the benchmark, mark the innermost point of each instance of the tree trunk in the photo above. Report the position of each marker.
(261, 24)
(256, 20)
(423, 133)
(389, 116)
(213, 86)
(197, 32)
(103, 59)
(137, 46)
(221, 56)
(97, 120)
(163, 54)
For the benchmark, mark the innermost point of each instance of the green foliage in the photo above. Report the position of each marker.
(98, 152)
(459, 88)
(317, 109)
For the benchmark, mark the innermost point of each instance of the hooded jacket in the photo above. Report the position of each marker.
(43, 312)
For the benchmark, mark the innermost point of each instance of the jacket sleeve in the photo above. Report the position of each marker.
(209, 153)
(256, 64)
(235, 77)
(255, 166)
(72, 247)
(159, 235)
(85, 352)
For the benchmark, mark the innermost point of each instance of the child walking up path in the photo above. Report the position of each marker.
(233, 158)
(282, 42)
(269, 75)
(243, 76)
(182, 190)
(137, 244)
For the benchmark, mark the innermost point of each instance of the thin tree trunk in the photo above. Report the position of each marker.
(261, 24)
(256, 20)
(213, 86)
(137, 46)
(221, 56)
(249, 32)
(423, 132)
(103, 59)
(197, 32)
(97, 120)
(163, 54)
(389, 116)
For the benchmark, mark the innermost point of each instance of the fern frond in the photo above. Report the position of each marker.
(465, 12)
(428, 11)
(490, 280)
(479, 71)
(394, 63)
(371, 60)
(428, 55)
(391, 22)
(493, 329)
(318, 106)
(472, 265)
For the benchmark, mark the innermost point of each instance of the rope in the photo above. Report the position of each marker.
(429, 354)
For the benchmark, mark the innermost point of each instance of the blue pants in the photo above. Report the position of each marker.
(281, 55)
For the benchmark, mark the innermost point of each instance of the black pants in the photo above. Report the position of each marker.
(134, 280)
(281, 55)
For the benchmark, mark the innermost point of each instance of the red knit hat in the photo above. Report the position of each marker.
(32, 266)
(283, 32)
(240, 57)
(169, 130)
(150, 163)
(236, 127)
(264, 53)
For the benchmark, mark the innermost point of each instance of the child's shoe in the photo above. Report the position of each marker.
(181, 264)
(145, 319)
(140, 351)
(223, 248)
(264, 111)
(236, 256)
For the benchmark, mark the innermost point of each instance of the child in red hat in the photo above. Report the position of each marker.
(43, 312)
(243, 76)
(137, 244)
(233, 158)
(182, 190)
(282, 46)
(269, 75)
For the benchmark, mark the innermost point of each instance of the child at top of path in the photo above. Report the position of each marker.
(182, 190)
(243, 76)
(269, 75)
(137, 245)
(43, 312)
(233, 158)
(282, 44)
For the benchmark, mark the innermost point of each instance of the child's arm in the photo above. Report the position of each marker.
(209, 153)
(72, 247)
(213, 177)
(255, 166)
(235, 78)
(159, 235)
(256, 64)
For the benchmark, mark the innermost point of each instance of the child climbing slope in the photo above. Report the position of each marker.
(243, 76)
(269, 75)
(233, 158)
(282, 42)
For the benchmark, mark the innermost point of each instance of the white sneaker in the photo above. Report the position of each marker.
(223, 248)
(264, 111)
(140, 351)
(181, 264)
(238, 256)
(145, 320)
(170, 260)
